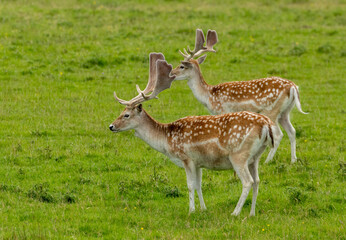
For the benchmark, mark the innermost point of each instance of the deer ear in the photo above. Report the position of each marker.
(139, 108)
(201, 59)
(186, 64)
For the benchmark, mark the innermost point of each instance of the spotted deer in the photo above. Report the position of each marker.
(273, 97)
(233, 140)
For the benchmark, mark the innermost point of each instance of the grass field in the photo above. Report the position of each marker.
(63, 174)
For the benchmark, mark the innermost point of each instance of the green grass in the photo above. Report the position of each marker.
(64, 175)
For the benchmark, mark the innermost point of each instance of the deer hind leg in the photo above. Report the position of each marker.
(199, 188)
(285, 122)
(253, 167)
(191, 183)
(241, 167)
(254, 173)
(277, 139)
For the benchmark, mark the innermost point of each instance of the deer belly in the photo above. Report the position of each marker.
(216, 164)
(176, 161)
(248, 105)
(210, 155)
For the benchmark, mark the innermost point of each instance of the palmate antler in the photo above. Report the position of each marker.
(159, 80)
(153, 57)
(199, 44)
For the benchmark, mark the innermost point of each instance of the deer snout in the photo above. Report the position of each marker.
(175, 72)
(111, 127)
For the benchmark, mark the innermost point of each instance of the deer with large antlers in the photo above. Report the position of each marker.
(234, 140)
(273, 97)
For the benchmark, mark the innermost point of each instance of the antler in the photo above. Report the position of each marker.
(199, 42)
(163, 80)
(159, 80)
(153, 57)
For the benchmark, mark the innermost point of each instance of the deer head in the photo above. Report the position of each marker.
(159, 80)
(190, 66)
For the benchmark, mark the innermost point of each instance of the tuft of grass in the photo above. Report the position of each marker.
(343, 53)
(69, 197)
(41, 193)
(10, 188)
(325, 48)
(94, 62)
(275, 71)
(296, 195)
(297, 50)
(39, 133)
(342, 170)
(172, 192)
(281, 167)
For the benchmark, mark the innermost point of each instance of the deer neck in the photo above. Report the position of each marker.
(199, 87)
(152, 132)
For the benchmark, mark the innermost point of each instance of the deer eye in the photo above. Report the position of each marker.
(181, 67)
(126, 116)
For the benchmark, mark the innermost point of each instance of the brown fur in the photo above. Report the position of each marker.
(230, 129)
(255, 90)
(264, 96)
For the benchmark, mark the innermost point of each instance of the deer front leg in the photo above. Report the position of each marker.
(199, 188)
(191, 183)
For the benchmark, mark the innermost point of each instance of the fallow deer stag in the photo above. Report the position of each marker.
(234, 140)
(273, 97)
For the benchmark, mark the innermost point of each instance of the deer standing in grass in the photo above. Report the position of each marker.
(273, 97)
(234, 140)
